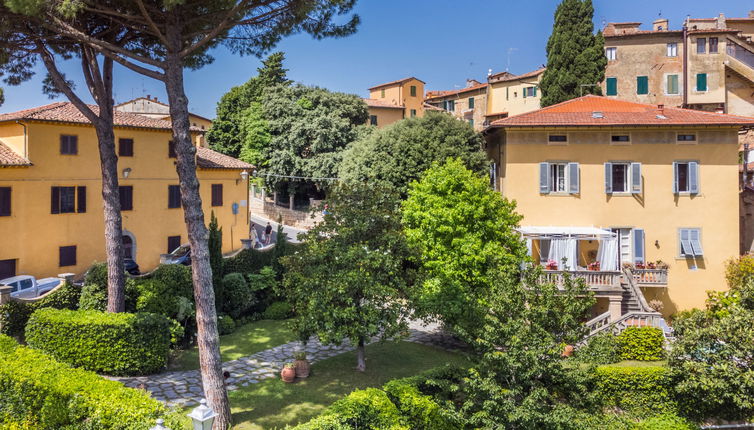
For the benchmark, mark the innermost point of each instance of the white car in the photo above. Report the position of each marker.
(28, 287)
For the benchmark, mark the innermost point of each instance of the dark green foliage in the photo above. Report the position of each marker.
(215, 245)
(238, 297)
(229, 133)
(249, 261)
(93, 298)
(420, 411)
(225, 324)
(600, 349)
(110, 343)
(398, 154)
(642, 391)
(575, 55)
(367, 409)
(96, 275)
(159, 298)
(667, 421)
(65, 297)
(278, 311)
(94, 293)
(176, 277)
(642, 343)
(14, 315)
(40, 393)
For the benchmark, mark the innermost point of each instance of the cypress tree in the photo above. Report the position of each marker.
(575, 55)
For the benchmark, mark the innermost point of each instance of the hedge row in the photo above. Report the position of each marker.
(14, 315)
(113, 344)
(641, 343)
(642, 391)
(40, 393)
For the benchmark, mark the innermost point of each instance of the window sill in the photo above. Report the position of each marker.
(558, 194)
(622, 194)
(620, 143)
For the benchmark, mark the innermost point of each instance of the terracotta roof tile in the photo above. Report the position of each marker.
(428, 106)
(516, 77)
(439, 94)
(66, 112)
(209, 159)
(374, 103)
(8, 157)
(579, 112)
(399, 81)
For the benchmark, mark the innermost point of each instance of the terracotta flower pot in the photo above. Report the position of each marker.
(568, 351)
(302, 368)
(288, 374)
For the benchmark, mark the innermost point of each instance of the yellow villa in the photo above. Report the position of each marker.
(509, 94)
(393, 101)
(639, 200)
(51, 212)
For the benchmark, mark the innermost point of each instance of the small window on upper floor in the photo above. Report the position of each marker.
(672, 49)
(557, 138)
(413, 113)
(642, 85)
(125, 147)
(372, 119)
(701, 45)
(685, 177)
(611, 53)
(690, 242)
(471, 102)
(413, 90)
(69, 145)
(713, 41)
(530, 92)
(701, 82)
(611, 86)
(382, 93)
(620, 138)
(671, 85)
(686, 138)
(5, 193)
(171, 150)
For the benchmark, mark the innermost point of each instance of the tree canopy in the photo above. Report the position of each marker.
(348, 277)
(228, 134)
(575, 55)
(463, 233)
(399, 153)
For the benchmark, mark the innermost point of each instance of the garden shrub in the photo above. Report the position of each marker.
(639, 390)
(96, 275)
(111, 343)
(225, 324)
(278, 311)
(600, 349)
(367, 409)
(40, 393)
(93, 298)
(248, 261)
(263, 284)
(642, 343)
(93, 295)
(238, 296)
(176, 277)
(665, 422)
(14, 315)
(419, 411)
(157, 297)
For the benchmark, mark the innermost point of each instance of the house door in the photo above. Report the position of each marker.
(625, 251)
(128, 244)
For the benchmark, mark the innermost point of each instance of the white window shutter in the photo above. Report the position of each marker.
(573, 178)
(608, 178)
(696, 242)
(693, 177)
(639, 251)
(544, 178)
(686, 243)
(636, 178)
(675, 177)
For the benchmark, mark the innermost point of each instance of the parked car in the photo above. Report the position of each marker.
(181, 255)
(131, 267)
(26, 286)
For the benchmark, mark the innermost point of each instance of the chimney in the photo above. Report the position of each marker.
(148, 96)
(660, 24)
(661, 109)
(751, 14)
(471, 82)
(720, 24)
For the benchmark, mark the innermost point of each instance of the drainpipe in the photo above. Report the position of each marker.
(685, 63)
(26, 140)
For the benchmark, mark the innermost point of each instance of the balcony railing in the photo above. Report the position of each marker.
(593, 278)
(645, 277)
(740, 53)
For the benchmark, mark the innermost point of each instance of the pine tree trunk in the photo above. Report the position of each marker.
(206, 317)
(361, 364)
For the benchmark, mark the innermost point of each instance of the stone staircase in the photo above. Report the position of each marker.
(740, 59)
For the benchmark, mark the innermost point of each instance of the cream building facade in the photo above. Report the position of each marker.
(386, 100)
(467, 104)
(510, 94)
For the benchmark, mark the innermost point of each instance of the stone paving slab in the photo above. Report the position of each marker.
(184, 388)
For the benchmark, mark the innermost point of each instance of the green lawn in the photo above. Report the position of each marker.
(273, 404)
(246, 340)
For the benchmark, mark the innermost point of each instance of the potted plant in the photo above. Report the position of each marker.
(661, 264)
(651, 265)
(594, 266)
(288, 374)
(302, 365)
(552, 265)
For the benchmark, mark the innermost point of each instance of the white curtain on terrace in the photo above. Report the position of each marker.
(607, 255)
(564, 248)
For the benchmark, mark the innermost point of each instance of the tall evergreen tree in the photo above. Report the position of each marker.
(575, 55)
(226, 134)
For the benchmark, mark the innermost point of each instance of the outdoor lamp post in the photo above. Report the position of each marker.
(159, 425)
(244, 175)
(202, 416)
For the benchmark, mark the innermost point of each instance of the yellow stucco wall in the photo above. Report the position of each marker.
(32, 235)
(385, 116)
(507, 96)
(462, 110)
(399, 94)
(656, 210)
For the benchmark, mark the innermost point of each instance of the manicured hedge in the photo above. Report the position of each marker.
(14, 315)
(642, 343)
(37, 392)
(113, 344)
(367, 409)
(638, 390)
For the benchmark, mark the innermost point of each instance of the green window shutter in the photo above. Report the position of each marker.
(524, 91)
(534, 92)
(471, 102)
(701, 82)
(642, 85)
(672, 84)
(612, 86)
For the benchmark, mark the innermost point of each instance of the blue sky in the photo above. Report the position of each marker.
(441, 42)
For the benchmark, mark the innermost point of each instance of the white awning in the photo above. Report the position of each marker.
(535, 232)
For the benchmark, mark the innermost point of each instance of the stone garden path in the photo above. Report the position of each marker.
(184, 388)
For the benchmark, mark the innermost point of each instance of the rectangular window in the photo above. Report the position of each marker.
(620, 177)
(713, 45)
(67, 256)
(686, 177)
(217, 194)
(611, 53)
(507, 93)
(672, 50)
(171, 150)
(672, 84)
(7, 268)
(69, 145)
(373, 119)
(642, 85)
(382, 93)
(413, 90)
(612, 86)
(125, 147)
(471, 102)
(701, 45)
(701, 82)
(686, 138)
(558, 178)
(623, 178)
(173, 243)
(126, 193)
(557, 138)
(451, 106)
(81, 197)
(174, 196)
(690, 242)
(620, 138)
(64, 200)
(413, 113)
(4, 201)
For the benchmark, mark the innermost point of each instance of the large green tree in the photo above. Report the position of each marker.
(463, 232)
(310, 129)
(399, 153)
(575, 54)
(227, 135)
(347, 279)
